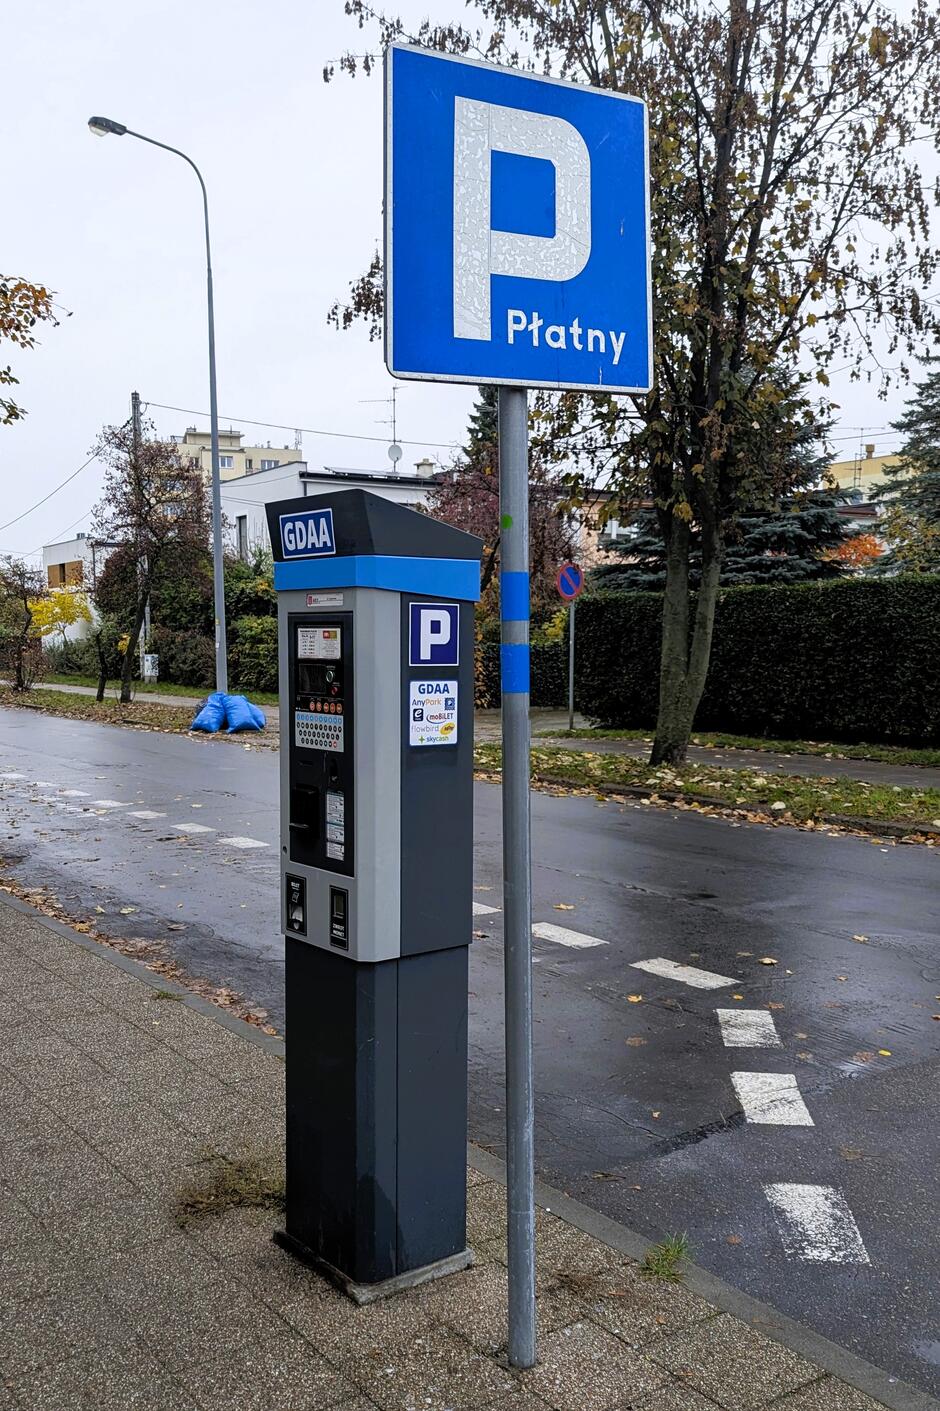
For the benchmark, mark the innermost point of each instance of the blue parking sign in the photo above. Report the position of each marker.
(434, 634)
(516, 228)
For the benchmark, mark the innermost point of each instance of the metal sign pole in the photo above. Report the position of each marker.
(571, 667)
(517, 868)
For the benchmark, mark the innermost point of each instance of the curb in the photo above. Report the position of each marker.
(893, 1393)
(883, 829)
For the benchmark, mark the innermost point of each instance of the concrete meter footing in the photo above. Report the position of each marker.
(376, 1117)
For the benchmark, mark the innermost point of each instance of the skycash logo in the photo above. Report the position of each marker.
(308, 534)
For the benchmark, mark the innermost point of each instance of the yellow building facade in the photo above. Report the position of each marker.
(863, 472)
(195, 448)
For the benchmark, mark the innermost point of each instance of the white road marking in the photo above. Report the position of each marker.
(12, 776)
(74, 793)
(815, 1223)
(242, 843)
(748, 1028)
(685, 974)
(545, 931)
(107, 803)
(772, 1098)
(480, 910)
(147, 814)
(44, 784)
(192, 828)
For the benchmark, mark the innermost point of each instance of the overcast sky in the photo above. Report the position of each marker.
(293, 169)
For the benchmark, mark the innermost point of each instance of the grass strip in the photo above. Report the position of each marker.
(155, 688)
(789, 797)
(144, 715)
(720, 740)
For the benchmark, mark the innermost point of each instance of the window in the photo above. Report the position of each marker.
(226, 462)
(269, 465)
(249, 463)
(241, 529)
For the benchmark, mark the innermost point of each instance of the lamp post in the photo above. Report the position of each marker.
(102, 127)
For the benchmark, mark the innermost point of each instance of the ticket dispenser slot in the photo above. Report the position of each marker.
(321, 744)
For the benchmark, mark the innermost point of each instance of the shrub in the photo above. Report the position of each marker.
(253, 653)
(548, 680)
(186, 658)
(851, 659)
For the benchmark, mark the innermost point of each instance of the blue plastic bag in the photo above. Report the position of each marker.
(242, 715)
(211, 717)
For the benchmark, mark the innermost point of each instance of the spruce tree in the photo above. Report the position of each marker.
(910, 492)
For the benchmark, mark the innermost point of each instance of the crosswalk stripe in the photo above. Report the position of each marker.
(107, 803)
(748, 1028)
(480, 909)
(816, 1224)
(244, 843)
(685, 974)
(772, 1098)
(561, 936)
(192, 828)
(147, 814)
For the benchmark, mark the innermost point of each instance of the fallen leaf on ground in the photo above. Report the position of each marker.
(636, 1042)
(563, 906)
(737, 996)
(128, 910)
(861, 939)
(851, 1153)
(733, 1239)
(175, 926)
(774, 1004)
(634, 999)
(767, 960)
(885, 1052)
(654, 1114)
(842, 977)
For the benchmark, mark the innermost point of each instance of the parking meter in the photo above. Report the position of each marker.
(376, 636)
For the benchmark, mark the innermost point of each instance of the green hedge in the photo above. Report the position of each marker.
(253, 653)
(549, 675)
(851, 659)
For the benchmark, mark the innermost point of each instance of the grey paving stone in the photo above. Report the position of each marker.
(635, 1308)
(280, 1373)
(129, 1379)
(138, 1137)
(587, 1367)
(237, 1235)
(109, 1223)
(829, 1394)
(438, 1372)
(43, 1331)
(351, 1336)
(517, 1401)
(191, 1326)
(474, 1303)
(34, 1267)
(731, 1363)
(148, 1273)
(671, 1398)
(62, 1173)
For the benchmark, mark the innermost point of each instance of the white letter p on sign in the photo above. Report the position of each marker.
(480, 251)
(435, 631)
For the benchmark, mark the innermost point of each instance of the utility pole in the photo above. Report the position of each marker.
(136, 437)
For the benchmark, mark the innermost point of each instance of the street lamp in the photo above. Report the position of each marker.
(103, 127)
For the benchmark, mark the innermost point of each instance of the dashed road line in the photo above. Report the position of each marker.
(12, 776)
(685, 974)
(560, 935)
(748, 1028)
(192, 828)
(480, 909)
(816, 1224)
(772, 1098)
(245, 843)
(74, 793)
(107, 803)
(147, 814)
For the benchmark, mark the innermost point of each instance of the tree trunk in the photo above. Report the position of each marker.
(684, 663)
(102, 665)
(127, 666)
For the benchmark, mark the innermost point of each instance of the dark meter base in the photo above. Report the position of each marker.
(376, 1117)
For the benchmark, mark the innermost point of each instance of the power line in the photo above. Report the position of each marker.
(65, 482)
(307, 430)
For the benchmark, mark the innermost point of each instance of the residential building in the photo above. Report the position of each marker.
(235, 460)
(863, 472)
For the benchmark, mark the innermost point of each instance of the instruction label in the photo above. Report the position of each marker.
(433, 712)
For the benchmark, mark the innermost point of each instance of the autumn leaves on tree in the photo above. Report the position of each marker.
(790, 231)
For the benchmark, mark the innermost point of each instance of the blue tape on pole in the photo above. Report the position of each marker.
(437, 578)
(514, 667)
(514, 597)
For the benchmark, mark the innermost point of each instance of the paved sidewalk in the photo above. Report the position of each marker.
(114, 1094)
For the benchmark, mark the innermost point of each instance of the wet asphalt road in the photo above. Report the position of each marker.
(637, 1115)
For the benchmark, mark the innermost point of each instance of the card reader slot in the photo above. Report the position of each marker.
(305, 810)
